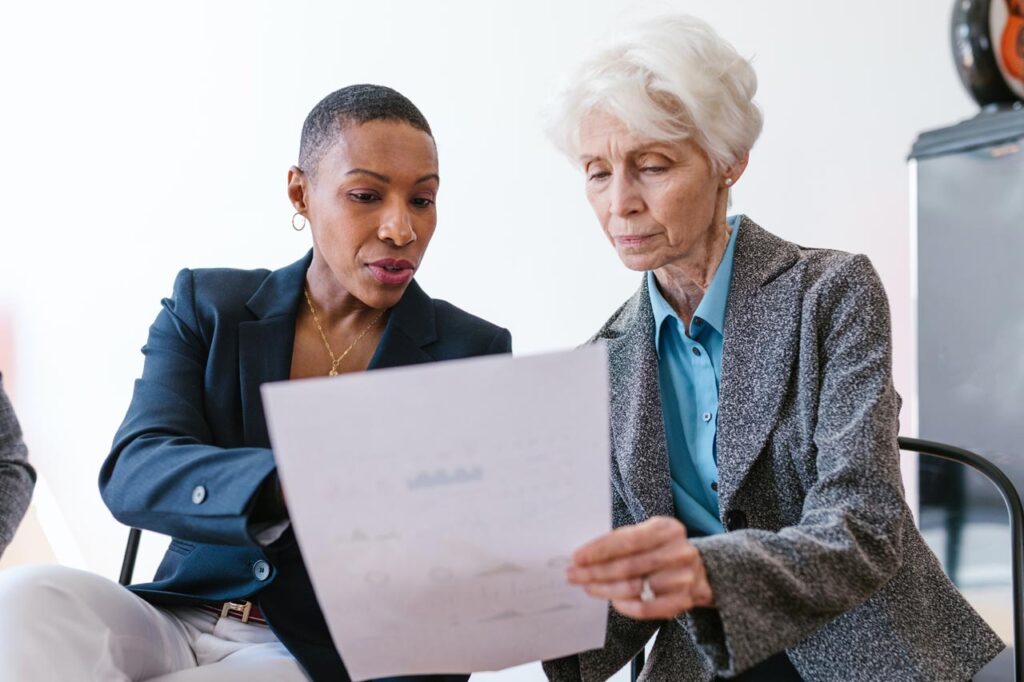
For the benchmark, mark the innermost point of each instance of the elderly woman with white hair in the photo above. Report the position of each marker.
(761, 525)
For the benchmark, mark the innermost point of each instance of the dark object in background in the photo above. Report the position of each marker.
(969, 231)
(988, 49)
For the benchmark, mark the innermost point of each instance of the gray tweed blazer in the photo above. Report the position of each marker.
(17, 478)
(821, 557)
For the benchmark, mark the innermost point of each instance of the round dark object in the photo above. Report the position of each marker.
(735, 519)
(974, 53)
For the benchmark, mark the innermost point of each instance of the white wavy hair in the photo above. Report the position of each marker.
(669, 79)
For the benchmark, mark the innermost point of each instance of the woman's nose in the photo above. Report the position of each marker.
(397, 227)
(625, 200)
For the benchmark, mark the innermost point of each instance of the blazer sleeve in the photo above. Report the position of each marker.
(773, 589)
(17, 478)
(163, 473)
(624, 638)
(501, 343)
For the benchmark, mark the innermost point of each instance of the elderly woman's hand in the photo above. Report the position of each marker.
(615, 565)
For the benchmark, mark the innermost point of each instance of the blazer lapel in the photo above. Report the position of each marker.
(637, 425)
(410, 327)
(265, 344)
(761, 327)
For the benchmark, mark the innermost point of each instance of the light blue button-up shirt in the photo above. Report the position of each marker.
(690, 369)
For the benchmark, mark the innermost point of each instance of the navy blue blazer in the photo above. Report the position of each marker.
(193, 454)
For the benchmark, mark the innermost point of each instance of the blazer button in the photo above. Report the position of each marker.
(261, 570)
(198, 494)
(735, 519)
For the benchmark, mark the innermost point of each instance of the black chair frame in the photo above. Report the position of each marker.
(131, 551)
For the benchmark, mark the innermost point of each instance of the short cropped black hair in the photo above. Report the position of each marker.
(350, 106)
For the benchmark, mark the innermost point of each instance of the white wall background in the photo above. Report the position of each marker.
(139, 138)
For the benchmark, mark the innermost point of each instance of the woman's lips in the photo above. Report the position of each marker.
(632, 240)
(392, 271)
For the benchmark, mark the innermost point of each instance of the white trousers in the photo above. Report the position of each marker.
(63, 625)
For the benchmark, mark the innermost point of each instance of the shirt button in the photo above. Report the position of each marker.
(261, 570)
(714, 486)
(735, 519)
(706, 416)
(696, 351)
(198, 494)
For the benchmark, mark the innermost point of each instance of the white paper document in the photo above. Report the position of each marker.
(436, 507)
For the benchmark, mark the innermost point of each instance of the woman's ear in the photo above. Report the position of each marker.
(297, 188)
(732, 174)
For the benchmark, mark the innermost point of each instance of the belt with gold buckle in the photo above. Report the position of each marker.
(245, 611)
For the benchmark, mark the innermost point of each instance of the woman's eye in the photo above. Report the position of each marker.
(653, 170)
(598, 175)
(363, 197)
(422, 202)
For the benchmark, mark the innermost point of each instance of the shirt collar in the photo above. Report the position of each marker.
(712, 307)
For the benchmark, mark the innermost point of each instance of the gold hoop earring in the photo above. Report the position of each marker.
(301, 226)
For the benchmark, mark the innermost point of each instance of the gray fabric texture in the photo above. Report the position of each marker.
(821, 557)
(17, 478)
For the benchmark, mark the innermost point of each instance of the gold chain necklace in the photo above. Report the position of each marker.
(335, 361)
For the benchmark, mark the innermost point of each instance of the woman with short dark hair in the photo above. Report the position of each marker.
(232, 599)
